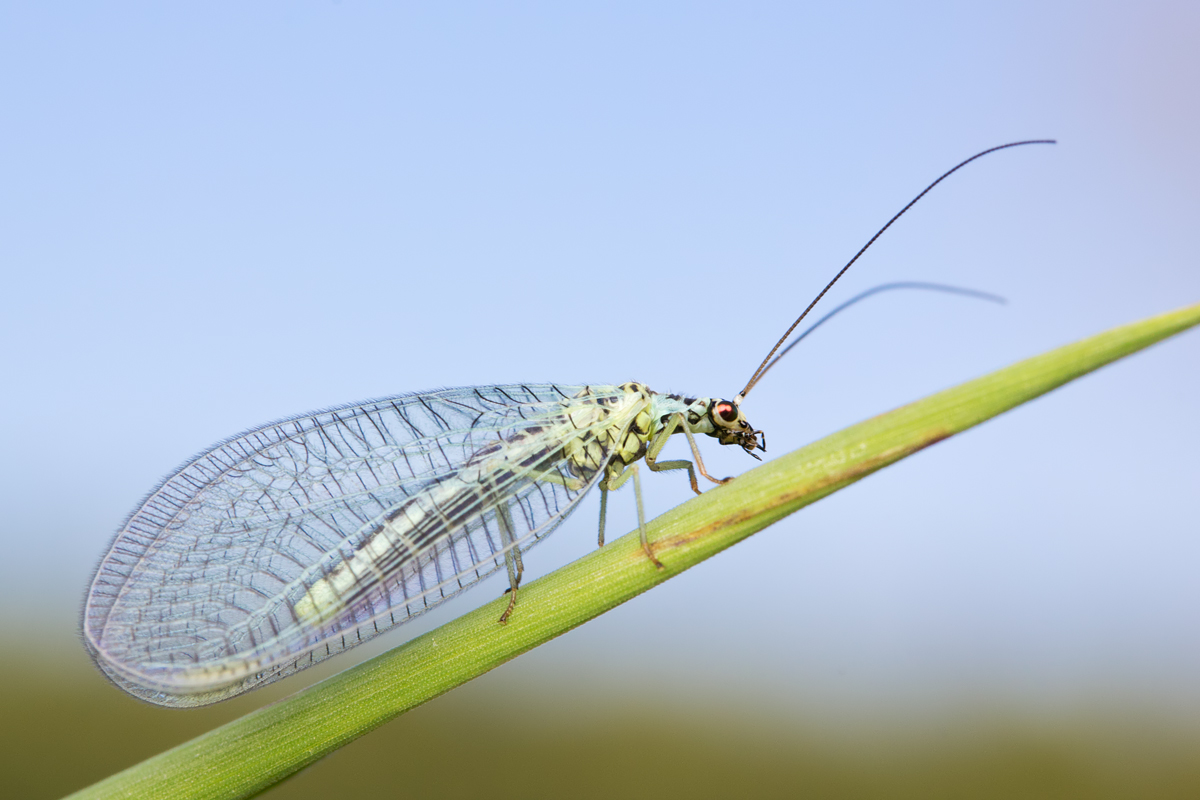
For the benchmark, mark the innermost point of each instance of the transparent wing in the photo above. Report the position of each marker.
(299, 539)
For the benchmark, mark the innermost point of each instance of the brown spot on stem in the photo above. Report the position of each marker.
(812, 491)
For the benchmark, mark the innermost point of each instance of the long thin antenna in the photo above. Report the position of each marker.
(766, 362)
(884, 287)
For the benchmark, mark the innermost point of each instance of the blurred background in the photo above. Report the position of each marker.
(216, 215)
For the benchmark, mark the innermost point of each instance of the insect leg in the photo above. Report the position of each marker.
(700, 461)
(632, 471)
(603, 509)
(660, 441)
(512, 558)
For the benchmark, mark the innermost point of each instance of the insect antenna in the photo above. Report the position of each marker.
(767, 362)
(886, 287)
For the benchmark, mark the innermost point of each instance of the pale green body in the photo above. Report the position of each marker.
(297, 540)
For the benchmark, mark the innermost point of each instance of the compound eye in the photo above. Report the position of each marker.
(727, 411)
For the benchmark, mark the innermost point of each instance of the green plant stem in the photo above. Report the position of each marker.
(250, 754)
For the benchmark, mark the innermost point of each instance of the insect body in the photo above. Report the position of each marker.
(297, 540)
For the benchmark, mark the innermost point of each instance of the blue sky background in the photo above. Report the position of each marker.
(213, 215)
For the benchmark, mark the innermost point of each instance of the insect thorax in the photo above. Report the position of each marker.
(627, 424)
